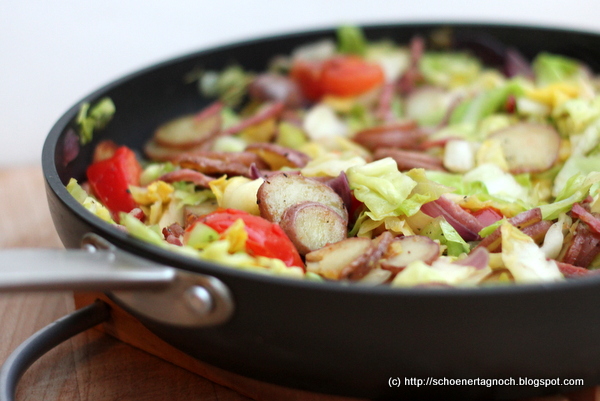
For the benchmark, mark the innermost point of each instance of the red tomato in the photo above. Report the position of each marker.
(346, 76)
(264, 238)
(343, 76)
(110, 180)
(308, 76)
(488, 215)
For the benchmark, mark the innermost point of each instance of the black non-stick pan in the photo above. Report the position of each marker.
(327, 337)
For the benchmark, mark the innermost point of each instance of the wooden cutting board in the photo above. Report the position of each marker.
(95, 366)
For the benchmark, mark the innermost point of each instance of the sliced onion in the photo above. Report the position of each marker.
(516, 64)
(341, 186)
(478, 258)
(70, 147)
(465, 224)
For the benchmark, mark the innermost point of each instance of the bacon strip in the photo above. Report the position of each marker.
(407, 160)
(209, 111)
(272, 111)
(409, 79)
(400, 135)
(571, 271)
(218, 163)
(173, 234)
(493, 242)
(592, 221)
(384, 106)
(584, 247)
(188, 175)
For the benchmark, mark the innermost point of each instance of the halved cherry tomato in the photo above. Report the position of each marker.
(110, 179)
(347, 76)
(488, 215)
(264, 238)
(307, 75)
(343, 76)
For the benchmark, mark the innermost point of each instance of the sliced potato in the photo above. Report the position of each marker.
(188, 131)
(403, 251)
(312, 225)
(337, 261)
(282, 191)
(277, 156)
(380, 246)
(528, 147)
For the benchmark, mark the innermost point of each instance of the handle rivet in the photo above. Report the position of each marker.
(199, 299)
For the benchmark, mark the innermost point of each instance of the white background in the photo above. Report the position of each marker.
(52, 53)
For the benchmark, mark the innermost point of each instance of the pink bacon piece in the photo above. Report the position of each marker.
(592, 221)
(188, 175)
(271, 111)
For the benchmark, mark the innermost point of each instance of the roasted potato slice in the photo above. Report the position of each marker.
(282, 191)
(528, 147)
(312, 225)
(188, 131)
(337, 261)
(403, 251)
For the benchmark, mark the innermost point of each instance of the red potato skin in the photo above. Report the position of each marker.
(272, 203)
(380, 246)
(289, 224)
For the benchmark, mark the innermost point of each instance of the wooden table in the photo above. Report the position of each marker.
(93, 365)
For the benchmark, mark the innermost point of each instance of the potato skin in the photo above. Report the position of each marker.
(282, 191)
(312, 225)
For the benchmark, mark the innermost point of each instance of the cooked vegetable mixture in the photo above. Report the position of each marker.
(419, 164)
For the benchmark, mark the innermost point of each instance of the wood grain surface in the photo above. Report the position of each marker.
(93, 365)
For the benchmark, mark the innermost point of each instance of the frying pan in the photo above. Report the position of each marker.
(325, 337)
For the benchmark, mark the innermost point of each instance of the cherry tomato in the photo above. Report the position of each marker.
(110, 180)
(347, 76)
(488, 215)
(342, 76)
(307, 75)
(264, 238)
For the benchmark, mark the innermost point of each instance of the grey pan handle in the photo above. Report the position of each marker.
(161, 293)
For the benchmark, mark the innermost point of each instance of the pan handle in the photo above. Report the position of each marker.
(163, 294)
(44, 340)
